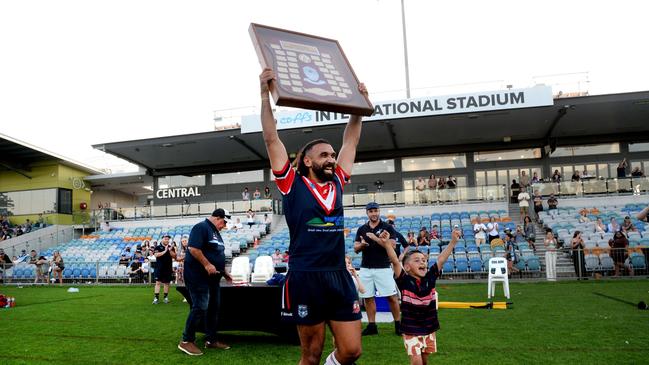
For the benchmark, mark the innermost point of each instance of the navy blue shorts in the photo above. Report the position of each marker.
(312, 297)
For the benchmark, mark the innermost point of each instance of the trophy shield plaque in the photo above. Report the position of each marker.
(311, 72)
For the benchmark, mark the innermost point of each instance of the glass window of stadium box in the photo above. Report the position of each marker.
(36, 201)
(440, 162)
(373, 167)
(504, 176)
(490, 156)
(600, 170)
(238, 177)
(598, 149)
(177, 181)
(638, 147)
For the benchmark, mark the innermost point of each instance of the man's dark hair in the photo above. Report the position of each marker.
(303, 169)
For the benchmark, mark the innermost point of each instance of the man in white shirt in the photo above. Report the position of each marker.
(480, 231)
(236, 225)
(524, 203)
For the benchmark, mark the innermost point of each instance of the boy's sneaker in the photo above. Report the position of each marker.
(370, 330)
(166, 301)
(155, 301)
(189, 348)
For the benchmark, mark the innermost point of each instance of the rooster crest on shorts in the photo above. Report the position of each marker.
(302, 310)
(356, 307)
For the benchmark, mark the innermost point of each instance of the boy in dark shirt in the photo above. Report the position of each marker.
(419, 321)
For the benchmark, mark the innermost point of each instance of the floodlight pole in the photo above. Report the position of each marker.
(405, 48)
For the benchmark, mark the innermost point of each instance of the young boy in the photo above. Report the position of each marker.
(418, 297)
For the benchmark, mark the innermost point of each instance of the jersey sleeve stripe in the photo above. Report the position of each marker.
(281, 174)
(284, 178)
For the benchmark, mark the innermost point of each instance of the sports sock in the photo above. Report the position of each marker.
(157, 295)
(331, 359)
(166, 295)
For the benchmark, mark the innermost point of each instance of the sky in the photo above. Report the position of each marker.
(78, 73)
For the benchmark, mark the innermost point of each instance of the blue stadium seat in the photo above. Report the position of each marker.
(475, 264)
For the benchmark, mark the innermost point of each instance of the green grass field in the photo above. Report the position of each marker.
(550, 323)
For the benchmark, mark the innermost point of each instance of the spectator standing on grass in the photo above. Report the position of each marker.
(524, 203)
(57, 266)
(204, 268)
(552, 202)
(400, 240)
(164, 254)
(619, 243)
(5, 263)
(577, 245)
(39, 263)
(135, 272)
(550, 256)
(376, 274)
(357, 281)
(621, 168)
(418, 298)
(613, 226)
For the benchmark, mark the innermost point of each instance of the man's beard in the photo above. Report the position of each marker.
(321, 174)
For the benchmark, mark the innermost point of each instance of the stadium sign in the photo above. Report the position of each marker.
(177, 193)
(408, 108)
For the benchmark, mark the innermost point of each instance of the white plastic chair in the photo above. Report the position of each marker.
(264, 269)
(240, 270)
(497, 273)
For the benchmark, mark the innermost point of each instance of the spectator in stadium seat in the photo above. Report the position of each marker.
(613, 226)
(619, 243)
(420, 187)
(236, 225)
(628, 226)
(19, 231)
(257, 194)
(621, 168)
(277, 257)
(376, 274)
(250, 218)
(480, 233)
(401, 242)
(637, 172)
(41, 221)
(519, 235)
(268, 221)
(535, 178)
(27, 227)
(600, 227)
(424, 238)
(524, 202)
(583, 216)
(411, 239)
(267, 193)
(515, 189)
(556, 177)
(419, 299)
(551, 246)
(245, 194)
(204, 268)
(164, 253)
(577, 246)
(530, 232)
(57, 265)
(493, 229)
(575, 176)
(434, 233)
(525, 180)
(552, 202)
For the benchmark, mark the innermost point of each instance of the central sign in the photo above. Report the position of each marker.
(177, 193)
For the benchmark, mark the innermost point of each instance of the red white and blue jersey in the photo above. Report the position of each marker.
(314, 214)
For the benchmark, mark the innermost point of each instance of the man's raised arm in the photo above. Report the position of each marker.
(351, 137)
(276, 150)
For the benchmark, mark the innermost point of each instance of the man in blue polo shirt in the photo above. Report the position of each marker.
(376, 272)
(204, 267)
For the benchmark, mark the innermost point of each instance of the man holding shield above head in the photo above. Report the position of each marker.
(318, 289)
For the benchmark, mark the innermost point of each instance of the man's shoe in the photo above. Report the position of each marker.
(370, 330)
(189, 348)
(216, 345)
(155, 301)
(397, 328)
(166, 301)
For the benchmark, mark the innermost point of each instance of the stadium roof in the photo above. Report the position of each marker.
(570, 121)
(18, 156)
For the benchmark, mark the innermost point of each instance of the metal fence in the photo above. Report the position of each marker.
(594, 186)
(38, 240)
